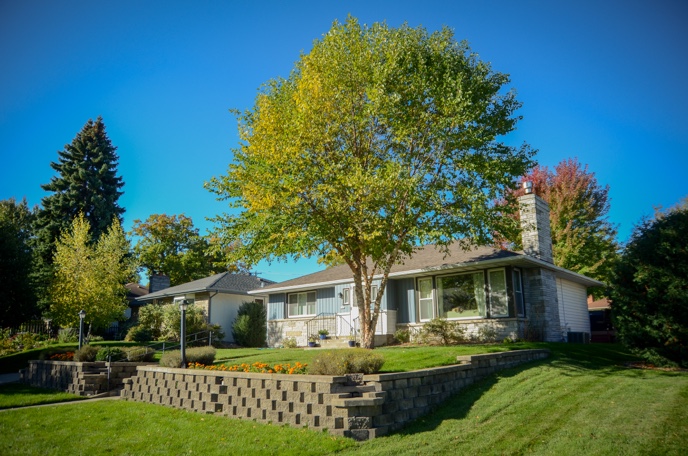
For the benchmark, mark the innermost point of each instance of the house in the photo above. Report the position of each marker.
(489, 291)
(601, 328)
(219, 295)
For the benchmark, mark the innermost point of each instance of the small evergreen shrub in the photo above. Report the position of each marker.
(110, 354)
(201, 355)
(341, 362)
(250, 327)
(86, 354)
(487, 334)
(139, 333)
(443, 331)
(402, 336)
(139, 354)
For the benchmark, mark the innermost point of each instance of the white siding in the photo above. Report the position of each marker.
(223, 311)
(573, 306)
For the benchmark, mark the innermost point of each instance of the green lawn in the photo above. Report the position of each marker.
(20, 395)
(580, 401)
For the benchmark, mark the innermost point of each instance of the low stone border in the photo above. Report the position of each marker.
(82, 378)
(361, 407)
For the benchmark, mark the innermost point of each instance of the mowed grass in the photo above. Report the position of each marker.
(397, 358)
(582, 400)
(20, 395)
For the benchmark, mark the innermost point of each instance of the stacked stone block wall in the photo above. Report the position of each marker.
(82, 378)
(360, 407)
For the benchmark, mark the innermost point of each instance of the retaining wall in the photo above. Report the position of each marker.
(357, 406)
(84, 379)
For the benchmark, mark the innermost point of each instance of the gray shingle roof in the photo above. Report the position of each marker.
(224, 282)
(427, 257)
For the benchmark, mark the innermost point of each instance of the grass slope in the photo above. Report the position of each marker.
(580, 401)
(19, 395)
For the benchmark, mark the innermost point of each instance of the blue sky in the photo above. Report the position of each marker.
(604, 81)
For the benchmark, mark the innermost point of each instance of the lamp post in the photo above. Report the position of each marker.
(183, 304)
(82, 315)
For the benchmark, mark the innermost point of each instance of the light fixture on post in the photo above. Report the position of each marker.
(183, 305)
(82, 315)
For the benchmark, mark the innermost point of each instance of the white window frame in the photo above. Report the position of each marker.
(485, 295)
(520, 312)
(289, 304)
(433, 306)
(346, 297)
(491, 293)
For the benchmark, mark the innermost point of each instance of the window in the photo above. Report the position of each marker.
(425, 302)
(346, 296)
(461, 296)
(518, 294)
(301, 304)
(499, 301)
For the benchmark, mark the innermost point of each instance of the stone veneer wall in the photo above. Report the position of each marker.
(360, 407)
(84, 379)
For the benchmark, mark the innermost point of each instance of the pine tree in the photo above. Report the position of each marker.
(18, 299)
(86, 183)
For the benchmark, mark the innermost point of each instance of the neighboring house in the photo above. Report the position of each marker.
(490, 291)
(220, 296)
(601, 329)
(134, 291)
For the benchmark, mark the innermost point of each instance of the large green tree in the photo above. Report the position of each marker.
(649, 291)
(171, 245)
(381, 139)
(583, 238)
(90, 276)
(86, 183)
(16, 260)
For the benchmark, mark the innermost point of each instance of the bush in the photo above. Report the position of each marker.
(402, 336)
(139, 333)
(86, 354)
(442, 330)
(250, 327)
(341, 362)
(200, 355)
(110, 354)
(290, 342)
(67, 335)
(139, 354)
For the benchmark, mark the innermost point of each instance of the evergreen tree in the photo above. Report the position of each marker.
(19, 300)
(86, 183)
(649, 291)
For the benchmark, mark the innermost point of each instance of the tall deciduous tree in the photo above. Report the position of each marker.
(171, 245)
(86, 183)
(583, 239)
(90, 276)
(381, 139)
(649, 291)
(18, 296)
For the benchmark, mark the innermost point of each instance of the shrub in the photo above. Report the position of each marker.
(110, 354)
(250, 327)
(151, 318)
(86, 354)
(200, 355)
(139, 333)
(402, 336)
(67, 335)
(341, 362)
(442, 330)
(290, 342)
(486, 334)
(139, 354)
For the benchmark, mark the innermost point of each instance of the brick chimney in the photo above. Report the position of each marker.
(535, 234)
